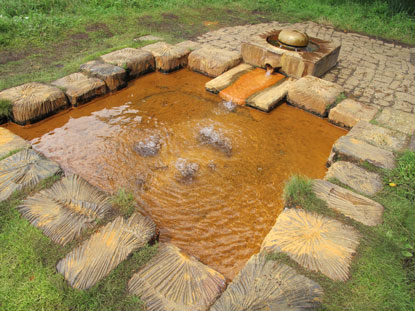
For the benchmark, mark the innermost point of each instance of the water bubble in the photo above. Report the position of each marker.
(149, 146)
(210, 136)
(186, 170)
(229, 105)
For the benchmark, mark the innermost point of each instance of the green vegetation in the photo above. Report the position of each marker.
(46, 39)
(383, 271)
(5, 109)
(124, 202)
(10, 154)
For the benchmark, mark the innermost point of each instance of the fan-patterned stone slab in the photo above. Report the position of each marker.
(348, 203)
(34, 101)
(173, 281)
(63, 211)
(24, 169)
(168, 57)
(136, 62)
(316, 242)
(105, 250)
(397, 120)
(212, 61)
(355, 177)
(115, 77)
(226, 79)
(348, 112)
(80, 88)
(268, 285)
(10, 142)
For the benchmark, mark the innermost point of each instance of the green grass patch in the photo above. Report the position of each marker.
(124, 202)
(5, 109)
(10, 153)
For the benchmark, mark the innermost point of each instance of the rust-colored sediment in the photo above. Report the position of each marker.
(225, 213)
(249, 84)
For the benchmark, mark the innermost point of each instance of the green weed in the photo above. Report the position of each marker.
(5, 109)
(124, 202)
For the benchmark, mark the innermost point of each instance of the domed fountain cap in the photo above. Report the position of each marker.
(292, 37)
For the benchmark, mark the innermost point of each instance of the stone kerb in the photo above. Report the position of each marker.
(168, 57)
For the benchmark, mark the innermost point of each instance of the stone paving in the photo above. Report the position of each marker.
(373, 71)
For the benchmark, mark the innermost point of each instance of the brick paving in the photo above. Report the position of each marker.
(374, 72)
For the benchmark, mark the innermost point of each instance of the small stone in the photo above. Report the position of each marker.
(314, 94)
(348, 112)
(210, 136)
(10, 142)
(80, 88)
(350, 148)
(168, 58)
(350, 204)
(149, 146)
(226, 79)
(355, 177)
(115, 77)
(397, 120)
(213, 61)
(187, 170)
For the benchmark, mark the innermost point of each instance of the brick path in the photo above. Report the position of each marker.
(375, 72)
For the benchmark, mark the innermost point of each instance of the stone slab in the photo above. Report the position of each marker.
(168, 57)
(314, 94)
(317, 243)
(397, 120)
(135, 61)
(226, 79)
(379, 136)
(80, 89)
(66, 209)
(350, 204)
(10, 142)
(34, 101)
(191, 45)
(269, 285)
(267, 99)
(213, 61)
(359, 179)
(24, 169)
(350, 148)
(105, 250)
(348, 112)
(114, 77)
(175, 281)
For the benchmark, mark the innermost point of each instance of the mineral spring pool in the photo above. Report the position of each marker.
(210, 174)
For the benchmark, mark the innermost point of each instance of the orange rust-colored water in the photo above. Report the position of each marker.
(248, 84)
(224, 214)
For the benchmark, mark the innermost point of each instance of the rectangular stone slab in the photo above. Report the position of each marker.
(348, 112)
(10, 142)
(114, 77)
(397, 120)
(267, 99)
(225, 79)
(350, 204)
(168, 57)
(359, 151)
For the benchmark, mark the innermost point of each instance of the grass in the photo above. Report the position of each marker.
(383, 271)
(124, 202)
(10, 153)
(5, 109)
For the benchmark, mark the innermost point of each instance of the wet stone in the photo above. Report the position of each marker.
(350, 148)
(269, 285)
(397, 120)
(226, 79)
(80, 88)
(105, 250)
(149, 146)
(350, 204)
(174, 281)
(168, 57)
(210, 136)
(136, 62)
(379, 136)
(348, 112)
(355, 177)
(24, 169)
(213, 61)
(317, 243)
(186, 170)
(114, 77)
(34, 101)
(10, 142)
(314, 94)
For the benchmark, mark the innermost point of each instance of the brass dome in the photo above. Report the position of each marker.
(292, 37)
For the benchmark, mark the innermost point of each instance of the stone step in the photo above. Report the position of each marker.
(24, 169)
(379, 136)
(191, 45)
(34, 101)
(397, 120)
(348, 112)
(114, 77)
(269, 285)
(168, 57)
(136, 62)
(267, 99)
(315, 242)
(80, 89)
(226, 79)
(66, 209)
(348, 203)
(175, 281)
(355, 177)
(10, 142)
(105, 250)
(353, 149)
